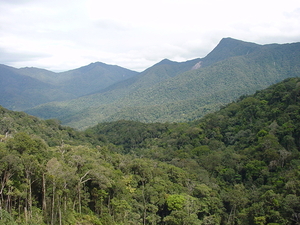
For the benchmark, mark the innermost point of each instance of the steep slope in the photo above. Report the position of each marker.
(19, 92)
(43, 75)
(28, 87)
(157, 73)
(239, 68)
(92, 78)
(222, 169)
(229, 78)
(229, 47)
(250, 146)
(154, 75)
(278, 104)
(51, 131)
(84, 80)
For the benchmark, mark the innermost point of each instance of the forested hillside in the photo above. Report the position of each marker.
(28, 87)
(180, 92)
(239, 165)
(19, 92)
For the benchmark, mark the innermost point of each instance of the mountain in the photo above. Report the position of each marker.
(43, 75)
(176, 92)
(150, 77)
(276, 110)
(19, 92)
(28, 87)
(229, 47)
(239, 165)
(92, 78)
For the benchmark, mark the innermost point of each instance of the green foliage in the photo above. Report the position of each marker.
(6, 218)
(175, 92)
(41, 131)
(25, 88)
(175, 202)
(22, 143)
(239, 165)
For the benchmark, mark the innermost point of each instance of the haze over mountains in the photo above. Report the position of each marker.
(28, 87)
(167, 91)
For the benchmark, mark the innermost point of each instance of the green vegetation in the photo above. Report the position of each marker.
(239, 165)
(175, 92)
(22, 92)
(25, 88)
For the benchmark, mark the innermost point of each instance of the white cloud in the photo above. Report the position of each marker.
(62, 35)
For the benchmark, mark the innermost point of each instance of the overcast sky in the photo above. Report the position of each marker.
(59, 35)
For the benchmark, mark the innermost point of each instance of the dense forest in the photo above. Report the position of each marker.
(24, 88)
(239, 165)
(180, 92)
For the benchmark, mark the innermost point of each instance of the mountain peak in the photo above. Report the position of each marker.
(231, 42)
(166, 62)
(229, 39)
(230, 47)
(96, 66)
(93, 65)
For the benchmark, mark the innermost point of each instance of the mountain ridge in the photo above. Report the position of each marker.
(18, 91)
(223, 76)
(221, 169)
(38, 86)
(172, 91)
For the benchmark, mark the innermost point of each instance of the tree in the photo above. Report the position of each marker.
(175, 202)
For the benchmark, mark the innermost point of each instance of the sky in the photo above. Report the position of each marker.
(60, 35)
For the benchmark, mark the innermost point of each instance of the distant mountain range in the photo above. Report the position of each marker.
(25, 88)
(167, 91)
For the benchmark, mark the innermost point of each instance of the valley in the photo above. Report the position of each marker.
(238, 165)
